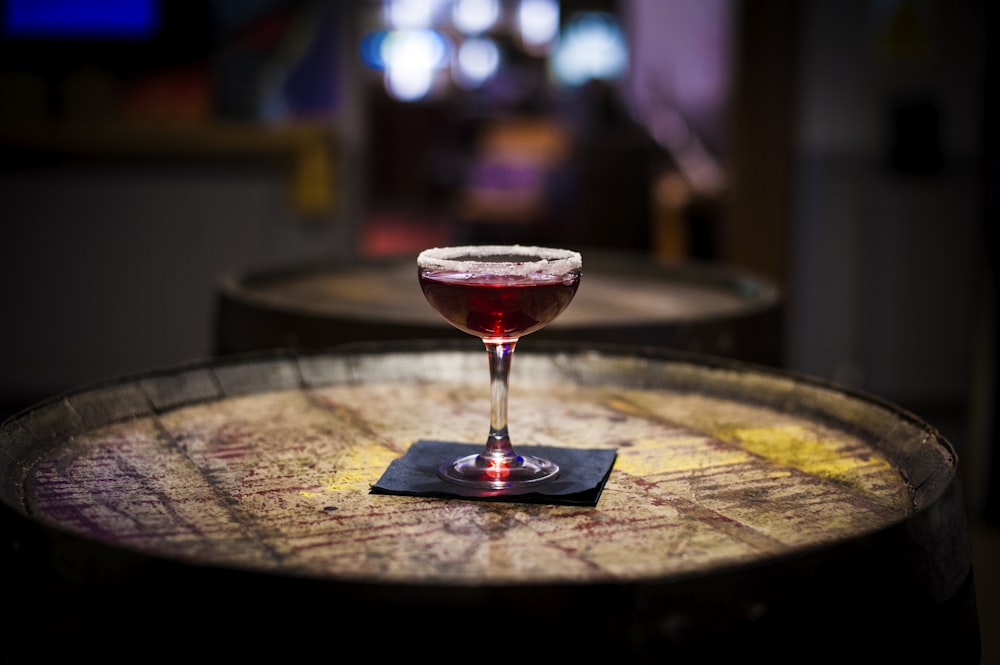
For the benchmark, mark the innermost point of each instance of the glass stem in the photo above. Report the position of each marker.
(498, 446)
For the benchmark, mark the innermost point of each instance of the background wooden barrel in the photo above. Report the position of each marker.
(624, 298)
(223, 508)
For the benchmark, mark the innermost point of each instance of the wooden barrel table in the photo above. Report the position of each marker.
(624, 298)
(223, 509)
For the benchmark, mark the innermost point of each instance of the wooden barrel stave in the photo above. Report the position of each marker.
(624, 298)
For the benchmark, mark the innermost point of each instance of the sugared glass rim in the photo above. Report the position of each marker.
(550, 260)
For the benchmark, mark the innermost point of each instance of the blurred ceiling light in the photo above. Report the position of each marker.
(409, 84)
(410, 14)
(538, 24)
(477, 60)
(411, 59)
(473, 17)
(424, 49)
(592, 46)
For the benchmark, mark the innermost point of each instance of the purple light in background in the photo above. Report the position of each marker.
(677, 85)
(680, 59)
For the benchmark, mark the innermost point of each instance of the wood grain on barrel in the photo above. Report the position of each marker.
(267, 466)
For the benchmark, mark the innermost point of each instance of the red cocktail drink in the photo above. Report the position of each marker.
(498, 307)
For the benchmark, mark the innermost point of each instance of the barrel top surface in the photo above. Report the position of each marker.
(615, 290)
(265, 464)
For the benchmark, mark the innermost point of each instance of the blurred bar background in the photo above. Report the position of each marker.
(844, 149)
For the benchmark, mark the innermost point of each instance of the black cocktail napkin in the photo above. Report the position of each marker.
(581, 479)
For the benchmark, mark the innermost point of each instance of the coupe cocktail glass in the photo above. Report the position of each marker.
(499, 293)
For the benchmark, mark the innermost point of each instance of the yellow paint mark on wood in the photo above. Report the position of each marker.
(360, 467)
(795, 446)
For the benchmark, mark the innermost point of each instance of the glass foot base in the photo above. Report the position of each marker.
(492, 474)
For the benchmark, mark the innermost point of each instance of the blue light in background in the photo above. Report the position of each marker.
(81, 18)
(593, 46)
(370, 49)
